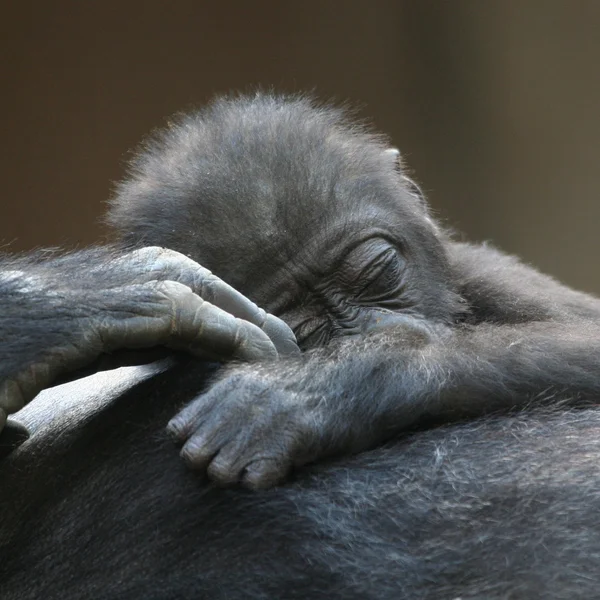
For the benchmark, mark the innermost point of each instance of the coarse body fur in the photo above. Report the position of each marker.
(406, 332)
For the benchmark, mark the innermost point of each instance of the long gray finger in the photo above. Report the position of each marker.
(172, 265)
(281, 335)
(217, 292)
(169, 313)
(140, 316)
(214, 290)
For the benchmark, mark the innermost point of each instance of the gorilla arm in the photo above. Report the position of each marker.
(313, 220)
(529, 339)
(62, 313)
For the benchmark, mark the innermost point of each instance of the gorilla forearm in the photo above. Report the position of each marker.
(524, 339)
(62, 312)
(257, 422)
(499, 288)
(468, 372)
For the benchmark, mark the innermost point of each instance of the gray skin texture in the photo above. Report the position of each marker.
(473, 378)
(63, 314)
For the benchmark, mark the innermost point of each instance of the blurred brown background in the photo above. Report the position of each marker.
(494, 104)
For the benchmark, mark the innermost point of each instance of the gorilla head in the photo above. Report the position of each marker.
(308, 216)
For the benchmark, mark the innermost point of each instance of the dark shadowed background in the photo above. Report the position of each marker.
(494, 104)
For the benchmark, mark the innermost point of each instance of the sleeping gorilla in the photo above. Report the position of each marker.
(332, 238)
(311, 219)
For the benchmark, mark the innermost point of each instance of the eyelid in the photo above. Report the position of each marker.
(384, 257)
(413, 188)
(388, 267)
(371, 246)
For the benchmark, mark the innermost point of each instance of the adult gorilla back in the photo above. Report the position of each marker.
(492, 509)
(98, 504)
(498, 508)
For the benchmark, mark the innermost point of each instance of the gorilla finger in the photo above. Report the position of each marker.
(198, 452)
(212, 332)
(217, 292)
(189, 418)
(169, 313)
(177, 267)
(282, 336)
(202, 446)
(265, 473)
(226, 468)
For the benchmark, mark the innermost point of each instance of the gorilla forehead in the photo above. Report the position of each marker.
(270, 172)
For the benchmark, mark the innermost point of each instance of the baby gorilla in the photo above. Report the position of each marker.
(312, 218)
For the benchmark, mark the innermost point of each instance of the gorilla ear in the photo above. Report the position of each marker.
(414, 189)
(393, 156)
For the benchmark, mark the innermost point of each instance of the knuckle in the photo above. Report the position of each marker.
(194, 454)
(172, 289)
(178, 265)
(150, 252)
(178, 428)
(223, 471)
(264, 474)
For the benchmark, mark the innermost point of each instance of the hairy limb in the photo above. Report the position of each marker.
(527, 339)
(61, 313)
(255, 424)
(499, 288)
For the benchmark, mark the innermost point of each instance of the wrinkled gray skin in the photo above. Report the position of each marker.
(403, 327)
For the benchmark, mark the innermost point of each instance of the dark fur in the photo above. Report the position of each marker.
(318, 212)
(271, 195)
(499, 508)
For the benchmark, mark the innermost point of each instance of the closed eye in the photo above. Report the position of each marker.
(383, 279)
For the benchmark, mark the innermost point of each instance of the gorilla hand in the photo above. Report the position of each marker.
(255, 425)
(78, 307)
(258, 422)
(249, 429)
